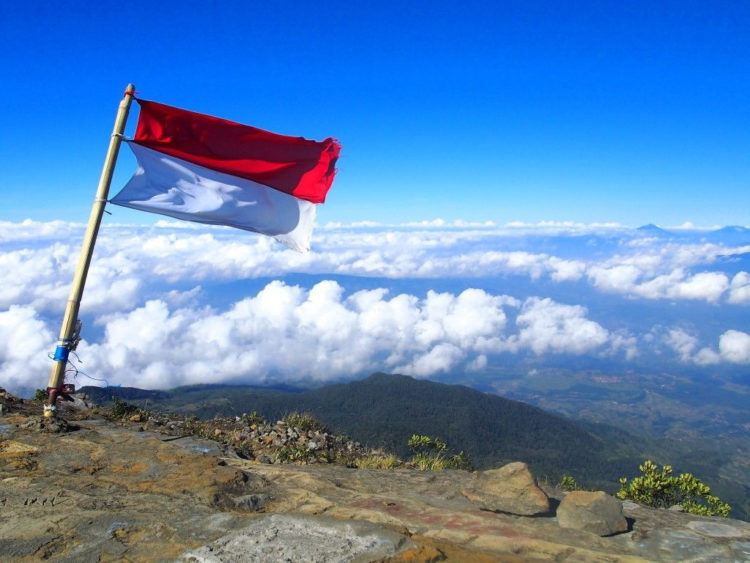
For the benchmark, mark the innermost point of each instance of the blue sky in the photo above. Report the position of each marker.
(631, 113)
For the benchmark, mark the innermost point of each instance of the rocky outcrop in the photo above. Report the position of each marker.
(108, 492)
(512, 489)
(595, 512)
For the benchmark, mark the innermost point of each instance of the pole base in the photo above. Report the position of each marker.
(50, 411)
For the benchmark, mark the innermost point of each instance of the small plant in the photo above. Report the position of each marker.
(304, 422)
(377, 460)
(253, 418)
(190, 425)
(568, 483)
(658, 488)
(40, 395)
(291, 454)
(429, 454)
(120, 408)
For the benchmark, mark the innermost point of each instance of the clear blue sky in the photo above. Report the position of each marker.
(632, 112)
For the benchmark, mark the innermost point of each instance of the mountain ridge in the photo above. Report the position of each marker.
(384, 410)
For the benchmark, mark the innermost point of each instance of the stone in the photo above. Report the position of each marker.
(714, 529)
(253, 503)
(303, 538)
(512, 488)
(594, 512)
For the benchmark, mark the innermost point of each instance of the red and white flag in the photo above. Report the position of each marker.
(209, 170)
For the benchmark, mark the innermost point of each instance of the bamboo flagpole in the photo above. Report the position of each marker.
(71, 326)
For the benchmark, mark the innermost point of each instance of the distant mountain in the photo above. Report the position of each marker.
(385, 410)
(652, 229)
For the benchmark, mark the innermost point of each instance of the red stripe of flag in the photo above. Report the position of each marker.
(293, 165)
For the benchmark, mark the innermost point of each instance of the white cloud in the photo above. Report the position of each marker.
(151, 291)
(24, 345)
(739, 292)
(682, 342)
(547, 326)
(734, 348)
(292, 333)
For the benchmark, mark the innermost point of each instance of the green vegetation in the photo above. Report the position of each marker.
(378, 460)
(291, 454)
(40, 395)
(253, 418)
(429, 455)
(660, 489)
(304, 422)
(568, 483)
(120, 408)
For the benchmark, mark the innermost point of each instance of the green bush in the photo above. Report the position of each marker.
(568, 483)
(429, 455)
(658, 488)
(40, 395)
(120, 408)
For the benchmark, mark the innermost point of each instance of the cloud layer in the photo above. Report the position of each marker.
(160, 326)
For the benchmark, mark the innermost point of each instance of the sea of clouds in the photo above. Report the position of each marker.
(175, 303)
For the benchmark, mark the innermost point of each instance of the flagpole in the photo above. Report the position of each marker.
(70, 330)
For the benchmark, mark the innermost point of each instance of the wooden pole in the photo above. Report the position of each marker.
(69, 332)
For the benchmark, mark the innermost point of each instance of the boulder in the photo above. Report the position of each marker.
(512, 489)
(594, 512)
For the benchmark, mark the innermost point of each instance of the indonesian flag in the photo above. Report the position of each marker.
(209, 170)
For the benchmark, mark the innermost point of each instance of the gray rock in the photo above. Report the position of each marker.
(253, 503)
(714, 529)
(512, 488)
(594, 512)
(302, 538)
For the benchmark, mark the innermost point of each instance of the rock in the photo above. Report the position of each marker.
(253, 503)
(512, 488)
(303, 538)
(714, 529)
(594, 512)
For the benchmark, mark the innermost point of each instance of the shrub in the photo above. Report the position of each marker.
(40, 395)
(377, 461)
(120, 408)
(429, 455)
(658, 488)
(568, 483)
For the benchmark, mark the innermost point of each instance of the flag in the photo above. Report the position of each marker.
(205, 169)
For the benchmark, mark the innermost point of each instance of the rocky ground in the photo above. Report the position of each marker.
(146, 488)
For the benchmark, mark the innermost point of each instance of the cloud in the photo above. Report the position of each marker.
(547, 327)
(153, 293)
(733, 348)
(739, 292)
(682, 343)
(24, 344)
(287, 332)
(130, 259)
